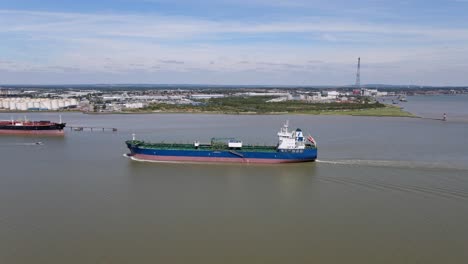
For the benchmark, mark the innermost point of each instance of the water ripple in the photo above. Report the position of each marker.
(397, 164)
(407, 188)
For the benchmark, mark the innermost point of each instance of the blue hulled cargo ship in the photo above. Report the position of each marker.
(292, 147)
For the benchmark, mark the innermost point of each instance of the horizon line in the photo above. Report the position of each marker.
(232, 85)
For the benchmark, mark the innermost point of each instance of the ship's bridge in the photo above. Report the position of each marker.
(290, 140)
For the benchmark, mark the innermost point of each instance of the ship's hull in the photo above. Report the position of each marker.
(32, 132)
(223, 156)
(54, 129)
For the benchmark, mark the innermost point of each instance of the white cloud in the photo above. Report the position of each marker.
(135, 44)
(162, 27)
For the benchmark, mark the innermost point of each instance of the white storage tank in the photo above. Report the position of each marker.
(46, 104)
(12, 105)
(61, 103)
(23, 106)
(54, 105)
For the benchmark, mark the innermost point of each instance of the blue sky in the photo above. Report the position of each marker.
(295, 42)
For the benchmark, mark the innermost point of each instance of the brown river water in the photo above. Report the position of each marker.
(384, 190)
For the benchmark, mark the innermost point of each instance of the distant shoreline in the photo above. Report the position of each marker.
(44, 111)
(388, 111)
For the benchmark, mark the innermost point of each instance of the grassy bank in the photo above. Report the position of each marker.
(382, 112)
(258, 105)
(385, 111)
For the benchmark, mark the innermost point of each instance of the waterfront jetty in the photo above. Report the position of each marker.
(90, 128)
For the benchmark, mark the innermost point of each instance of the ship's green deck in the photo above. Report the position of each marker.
(216, 146)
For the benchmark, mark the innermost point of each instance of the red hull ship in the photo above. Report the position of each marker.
(14, 127)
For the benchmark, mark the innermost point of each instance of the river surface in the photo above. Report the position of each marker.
(454, 106)
(384, 190)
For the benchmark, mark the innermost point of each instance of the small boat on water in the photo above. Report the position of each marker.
(292, 147)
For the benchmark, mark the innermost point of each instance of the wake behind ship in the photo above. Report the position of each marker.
(18, 127)
(291, 147)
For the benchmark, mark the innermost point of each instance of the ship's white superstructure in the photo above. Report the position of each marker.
(290, 140)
